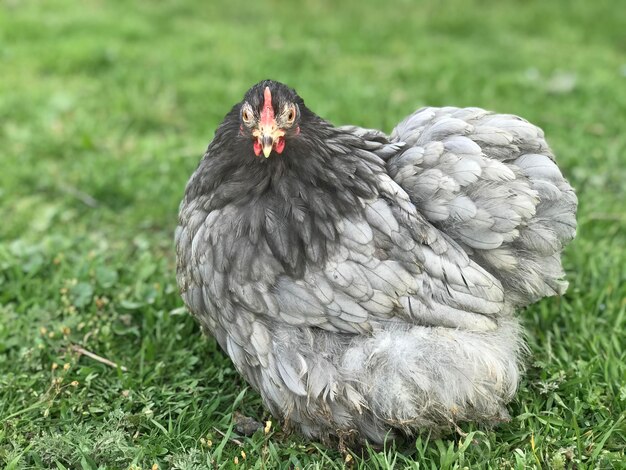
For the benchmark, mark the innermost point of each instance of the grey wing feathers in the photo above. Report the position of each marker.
(489, 181)
(385, 270)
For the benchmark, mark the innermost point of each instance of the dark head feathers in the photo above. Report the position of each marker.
(292, 201)
(281, 94)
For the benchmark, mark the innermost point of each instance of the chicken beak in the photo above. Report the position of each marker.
(267, 142)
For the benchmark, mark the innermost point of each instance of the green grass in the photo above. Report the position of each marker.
(105, 110)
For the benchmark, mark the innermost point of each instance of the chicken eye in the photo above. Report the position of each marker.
(291, 115)
(246, 115)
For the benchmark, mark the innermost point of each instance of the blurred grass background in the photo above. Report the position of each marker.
(105, 110)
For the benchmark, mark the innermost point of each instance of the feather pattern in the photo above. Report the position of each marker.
(364, 284)
(491, 184)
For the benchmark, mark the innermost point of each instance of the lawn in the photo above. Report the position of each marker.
(105, 110)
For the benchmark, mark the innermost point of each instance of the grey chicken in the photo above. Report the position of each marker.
(366, 284)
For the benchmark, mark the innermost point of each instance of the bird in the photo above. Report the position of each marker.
(367, 285)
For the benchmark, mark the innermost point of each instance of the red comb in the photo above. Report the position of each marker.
(267, 114)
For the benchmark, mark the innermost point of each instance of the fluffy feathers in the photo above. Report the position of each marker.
(366, 284)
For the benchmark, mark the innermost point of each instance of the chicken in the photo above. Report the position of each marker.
(365, 285)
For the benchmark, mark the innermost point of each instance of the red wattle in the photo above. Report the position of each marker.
(257, 148)
(280, 145)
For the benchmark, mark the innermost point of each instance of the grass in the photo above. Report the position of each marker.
(105, 110)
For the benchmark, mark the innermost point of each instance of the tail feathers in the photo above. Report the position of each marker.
(489, 181)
